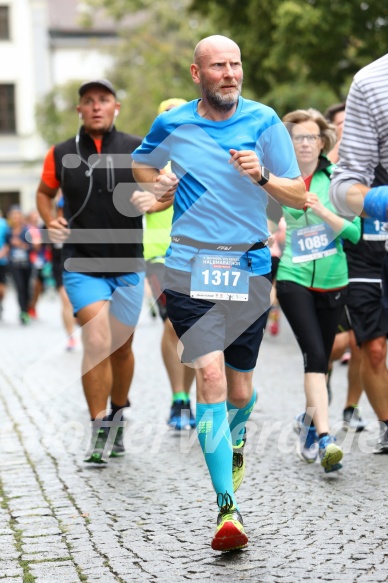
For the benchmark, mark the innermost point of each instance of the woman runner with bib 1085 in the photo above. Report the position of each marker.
(312, 280)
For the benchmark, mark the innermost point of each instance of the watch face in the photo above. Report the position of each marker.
(264, 176)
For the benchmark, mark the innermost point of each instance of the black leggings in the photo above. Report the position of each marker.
(22, 277)
(313, 317)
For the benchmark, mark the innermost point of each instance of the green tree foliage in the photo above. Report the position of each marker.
(56, 116)
(301, 53)
(296, 53)
(152, 63)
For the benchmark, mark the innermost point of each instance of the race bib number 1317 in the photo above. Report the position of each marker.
(219, 277)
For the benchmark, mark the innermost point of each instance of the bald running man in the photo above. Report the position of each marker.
(227, 154)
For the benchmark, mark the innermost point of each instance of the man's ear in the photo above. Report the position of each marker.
(194, 70)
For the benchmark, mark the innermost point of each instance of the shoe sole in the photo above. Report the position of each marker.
(299, 453)
(98, 457)
(229, 538)
(347, 427)
(332, 458)
(117, 454)
(96, 460)
(381, 450)
(302, 457)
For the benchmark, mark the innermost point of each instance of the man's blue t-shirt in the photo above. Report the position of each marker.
(214, 203)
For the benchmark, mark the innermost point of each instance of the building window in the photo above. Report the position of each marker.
(7, 109)
(8, 199)
(4, 22)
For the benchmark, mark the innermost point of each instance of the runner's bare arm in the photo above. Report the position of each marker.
(286, 191)
(45, 204)
(162, 185)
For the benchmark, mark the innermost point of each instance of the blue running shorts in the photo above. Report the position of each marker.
(125, 292)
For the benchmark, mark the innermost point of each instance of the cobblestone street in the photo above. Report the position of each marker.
(150, 516)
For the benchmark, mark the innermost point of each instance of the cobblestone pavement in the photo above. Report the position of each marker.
(150, 516)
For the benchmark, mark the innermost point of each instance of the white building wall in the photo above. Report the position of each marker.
(34, 63)
(69, 63)
(25, 65)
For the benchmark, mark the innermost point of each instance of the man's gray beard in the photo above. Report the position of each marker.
(219, 101)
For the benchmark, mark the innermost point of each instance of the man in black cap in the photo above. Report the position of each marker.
(101, 233)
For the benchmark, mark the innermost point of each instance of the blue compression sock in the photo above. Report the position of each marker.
(215, 439)
(239, 417)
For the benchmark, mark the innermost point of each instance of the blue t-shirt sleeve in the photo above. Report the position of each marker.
(155, 147)
(276, 151)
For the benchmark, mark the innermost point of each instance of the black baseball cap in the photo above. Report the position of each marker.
(96, 83)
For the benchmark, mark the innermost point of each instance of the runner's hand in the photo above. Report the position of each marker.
(165, 186)
(247, 163)
(57, 230)
(315, 205)
(143, 200)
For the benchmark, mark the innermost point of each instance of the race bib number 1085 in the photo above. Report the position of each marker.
(312, 242)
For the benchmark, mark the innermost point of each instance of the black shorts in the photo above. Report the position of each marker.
(57, 266)
(274, 266)
(384, 276)
(344, 324)
(235, 328)
(3, 274)
(155, 276)
(368, 318)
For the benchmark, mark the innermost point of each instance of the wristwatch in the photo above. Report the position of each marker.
(264, 176)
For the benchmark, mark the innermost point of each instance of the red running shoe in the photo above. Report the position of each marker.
(229, 535)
